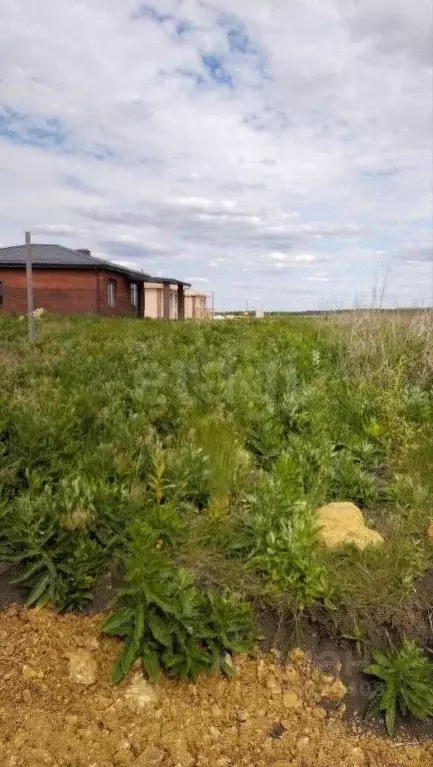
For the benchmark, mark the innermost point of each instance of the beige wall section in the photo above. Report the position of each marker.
(153, 301)
(195, 303)
(150, 301)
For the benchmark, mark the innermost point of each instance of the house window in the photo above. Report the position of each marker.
(133, 294)
(1, 295)
(111, 293)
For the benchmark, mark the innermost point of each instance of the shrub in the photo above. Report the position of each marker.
(406, 683)
(169, 623)
(279, 539)
(59, 537)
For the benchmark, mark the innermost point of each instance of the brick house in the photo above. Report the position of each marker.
(71, 281)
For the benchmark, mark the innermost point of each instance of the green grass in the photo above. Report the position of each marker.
(223, 438)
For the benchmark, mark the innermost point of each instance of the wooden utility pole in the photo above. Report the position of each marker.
(29, 281)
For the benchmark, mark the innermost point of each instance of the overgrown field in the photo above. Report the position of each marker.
(190, 458)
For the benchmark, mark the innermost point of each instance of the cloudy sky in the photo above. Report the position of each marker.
(277, 152)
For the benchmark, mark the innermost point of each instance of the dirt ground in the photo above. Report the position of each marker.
(271, 715)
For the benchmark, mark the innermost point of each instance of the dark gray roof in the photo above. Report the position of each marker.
(45, 255)
(59, 257)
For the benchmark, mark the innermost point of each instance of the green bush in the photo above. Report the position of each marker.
(278, 538)
(60, 536)
(406, 683)
(169, 623)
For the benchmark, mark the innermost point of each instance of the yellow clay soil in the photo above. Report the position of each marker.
(54, 714)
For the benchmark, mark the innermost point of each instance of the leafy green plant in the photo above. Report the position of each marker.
(169, 623)
(53, 538)
(279, 538)
(406, 683)
(179, 473)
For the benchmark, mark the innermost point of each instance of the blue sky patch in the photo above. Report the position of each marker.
(20, 128)
(238, 38)
(46, 133)
(240, 43)
(183, 26)
(216, 69)
(150, 12)
(178, 27)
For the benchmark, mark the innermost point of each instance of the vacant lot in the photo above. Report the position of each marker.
(188, 460)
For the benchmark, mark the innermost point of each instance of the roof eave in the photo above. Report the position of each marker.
(168, 280)
(103, 266)
(80, 267)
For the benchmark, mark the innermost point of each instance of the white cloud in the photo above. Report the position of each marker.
(56, 230)
(206, 137)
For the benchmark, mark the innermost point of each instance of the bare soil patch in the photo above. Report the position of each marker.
(272, 714)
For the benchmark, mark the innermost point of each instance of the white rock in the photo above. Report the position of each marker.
(302, 743)
(82, 667)
(140, 694)
(357, 756)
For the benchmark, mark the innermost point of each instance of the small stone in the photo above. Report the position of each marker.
(273, 686)
(242, 716)
(261, 670)
(122, 759)
(335, 692)
(124, 745)
(302, 743)
(89, 643)
(29, 672)
(297, 655)
(290, 674)
(319, 713)
(216, 711)
(290, 700)
(103, 702)
(178, 749)
(27, 696)
(82, 668)
(215, 733)
(357, 757)
(140, 694)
